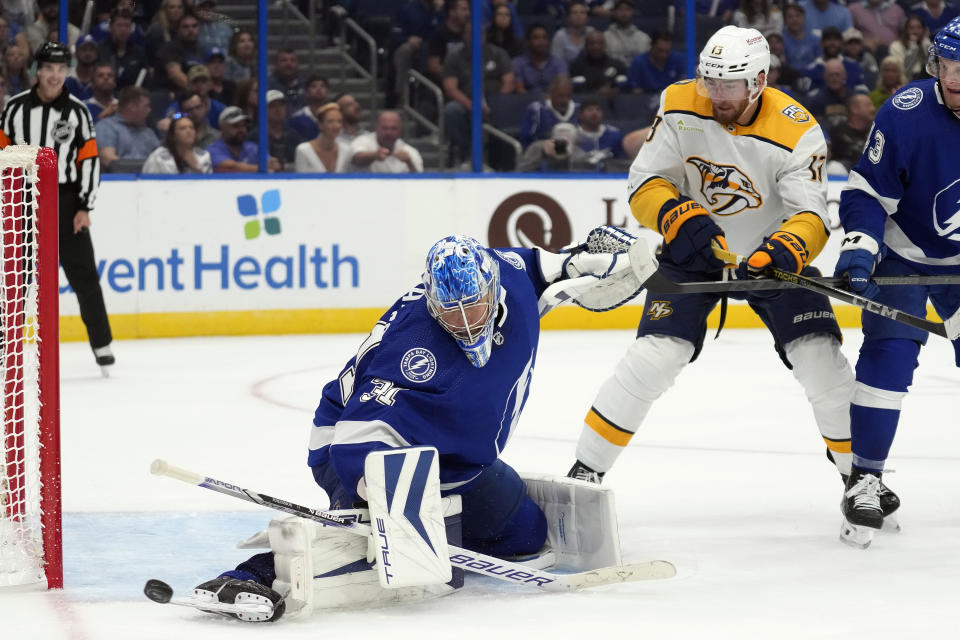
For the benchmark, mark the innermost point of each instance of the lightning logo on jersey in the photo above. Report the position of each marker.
(726, 188)
(946, 207)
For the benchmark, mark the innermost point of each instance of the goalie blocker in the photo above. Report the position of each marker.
(406, 559)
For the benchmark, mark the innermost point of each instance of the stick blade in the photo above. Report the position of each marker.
(654, 570)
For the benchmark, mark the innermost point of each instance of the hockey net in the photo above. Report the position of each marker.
(30, 531)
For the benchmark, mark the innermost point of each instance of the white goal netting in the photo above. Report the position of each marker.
(22, 475)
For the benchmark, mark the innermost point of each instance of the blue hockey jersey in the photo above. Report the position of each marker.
(410, 385)
(905, 189)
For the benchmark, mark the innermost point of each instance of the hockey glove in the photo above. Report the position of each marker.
(687, 233)
(782, 250)
(859, 255)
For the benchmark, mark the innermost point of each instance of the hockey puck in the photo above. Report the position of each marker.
(158, 591)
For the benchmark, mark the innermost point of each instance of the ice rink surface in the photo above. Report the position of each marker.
(727, 479)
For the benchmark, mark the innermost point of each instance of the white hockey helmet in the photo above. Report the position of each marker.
(732, 54)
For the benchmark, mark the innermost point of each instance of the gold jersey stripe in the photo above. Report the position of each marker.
(610, 433)
(838, 446)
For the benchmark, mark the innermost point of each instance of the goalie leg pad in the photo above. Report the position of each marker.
(581, 517)
(403, 491)
(322, 567)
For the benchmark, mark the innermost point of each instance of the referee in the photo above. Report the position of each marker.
(48, 116)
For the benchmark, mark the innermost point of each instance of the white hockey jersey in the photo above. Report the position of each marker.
(751, 178)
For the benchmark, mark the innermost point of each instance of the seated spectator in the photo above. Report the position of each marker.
(567, 42)
(601, 141)
(849, 138)
(103, 103)
(242, 56)
(286, 78)
(595, 71)
(892, 78)
(623, 39)
(384, 150)
(800, 47)
(179, 153)
(789, 76)
(759, 15)
(233, 153)
(774, 79)
(831, 42)
(176, 57)
(557, 153)
(352, 114)
(192, 104)
(215, 32)
(502, 32)
(163, 28)
(828, 104)
(128, 58)
(48, 19)
(326, 153)
(19, 12)
(935, 14)
(542, 116)
(247, 96)
(200, 84)
(660, 67)
(221, 87)
(79, 78)
(489, 9)
(879, 21)
(15, 70)
(821, 14)
(853, 48)
(498, 78)
(413, 24)
(447, 38)
(911, 46)
(12, 35)
(304, 120)
(536, 69)
(126, 134)
(101, 30)
(281, 138)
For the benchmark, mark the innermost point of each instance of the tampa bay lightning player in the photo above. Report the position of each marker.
(901, 214)
(449, 366)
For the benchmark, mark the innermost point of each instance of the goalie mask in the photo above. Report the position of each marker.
(731, 63)
(943, 63)
(462, 288)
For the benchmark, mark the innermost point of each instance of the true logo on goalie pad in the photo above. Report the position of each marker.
(418, 365)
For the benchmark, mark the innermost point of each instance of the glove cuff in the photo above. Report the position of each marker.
(674, 213)
(859, 240)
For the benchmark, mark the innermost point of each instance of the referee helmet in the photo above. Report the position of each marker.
(52, 52)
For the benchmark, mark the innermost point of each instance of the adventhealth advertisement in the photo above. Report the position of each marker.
(327, 246)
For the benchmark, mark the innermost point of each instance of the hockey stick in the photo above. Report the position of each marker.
(459, 557)
(662, 285)
(949, 330)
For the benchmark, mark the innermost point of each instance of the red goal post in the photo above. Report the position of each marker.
(30, 516)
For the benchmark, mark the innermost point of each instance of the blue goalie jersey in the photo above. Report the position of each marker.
(410, 384)
(905, 189)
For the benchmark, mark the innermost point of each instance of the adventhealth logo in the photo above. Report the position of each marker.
(269, 203)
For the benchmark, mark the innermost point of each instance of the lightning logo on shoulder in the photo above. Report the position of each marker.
(512, 258)
(946, 212)
(418, 365)
(908, 99)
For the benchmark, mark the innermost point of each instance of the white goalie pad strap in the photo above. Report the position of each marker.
(403, 494)
(581, 521)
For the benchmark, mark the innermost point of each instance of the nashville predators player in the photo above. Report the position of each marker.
(730, 161)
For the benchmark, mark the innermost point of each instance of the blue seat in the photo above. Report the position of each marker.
(506, 110)
(636, 107)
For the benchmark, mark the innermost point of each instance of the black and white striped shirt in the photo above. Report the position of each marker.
(64, 124)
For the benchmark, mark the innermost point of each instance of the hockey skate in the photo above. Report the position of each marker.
(233, 591)
(889, 502)
(862, 514)
(105, 359)
(580, 471)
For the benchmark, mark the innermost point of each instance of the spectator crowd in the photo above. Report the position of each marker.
(172, 84)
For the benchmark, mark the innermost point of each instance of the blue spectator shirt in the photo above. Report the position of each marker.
(80, 90)
(642, 74)
(213, 115)
(537, 79)
(801, 53)
(94, 107)
(834, 16)
(128, 142)
(540, 118)
(934, 25)
(414, 19)
(219, 152)
(101, 33)
(815, 72)
(304, 123)
(605, 143)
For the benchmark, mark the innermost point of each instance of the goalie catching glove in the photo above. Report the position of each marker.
(688, 233)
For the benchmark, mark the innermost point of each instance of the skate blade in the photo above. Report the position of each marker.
(856, 536)
(105, 370)
(890, 524)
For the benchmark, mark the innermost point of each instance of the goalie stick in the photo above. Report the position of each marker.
(459, 557)
(949, 329)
